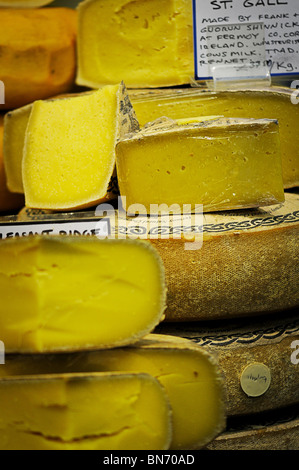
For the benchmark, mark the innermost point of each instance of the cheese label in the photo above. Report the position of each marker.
(253, 35)
(100, 228)
(255, 379)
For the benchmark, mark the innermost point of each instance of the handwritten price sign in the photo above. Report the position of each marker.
(256, 32)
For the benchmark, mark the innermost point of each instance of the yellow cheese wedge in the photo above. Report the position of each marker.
(270, 103)
(69, 152)
(15, 125)
(68, 293)
(146, 44)
(8, 200)
(189, 374)
(84, 412)
(38, 53)
(221, 164)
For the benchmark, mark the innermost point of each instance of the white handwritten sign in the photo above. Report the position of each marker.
(21, 229)
(261, 33)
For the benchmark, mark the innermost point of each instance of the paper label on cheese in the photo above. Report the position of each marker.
(231, 32)
(255, 379)
(100, 228)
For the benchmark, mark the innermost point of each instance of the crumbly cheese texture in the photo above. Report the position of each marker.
(145, 43)
(38, 53)
(189, 375)
(84, 412)
(269, 103)
(221, 164)
(8, 200)
(73, 293)
(69, 151)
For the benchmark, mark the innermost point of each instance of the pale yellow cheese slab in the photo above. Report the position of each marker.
(221, 164)
(69, 293)
(190, 376)
(268, 103)
(84, 412)
(145, 43)
(69, 151)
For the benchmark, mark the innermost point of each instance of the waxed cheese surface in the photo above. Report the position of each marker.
(38, 53)
(69, 157)
(74, 293)
(84, 412)
(189, 375)
(221, 168)
(271, 104)
(145, 43)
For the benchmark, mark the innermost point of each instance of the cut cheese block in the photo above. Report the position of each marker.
(219, 163)
(275, 431)
(40, 60)
(84, 412)
(188, 373)
(146, 44)
(8, 200)
(69, 152)
(70, 293)
(270, 103)
(24, 3)
(258, 359)
(15, 125)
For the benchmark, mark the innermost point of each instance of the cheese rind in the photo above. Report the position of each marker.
(280, 435)
(247, 265)
(219, 163)
(189, 375)
(40, 60)
(146, 44)
(84, 412)
(8, 200)
(69, 151)
(266, 348)
(268, 103)
(15, 125)
(70, 293)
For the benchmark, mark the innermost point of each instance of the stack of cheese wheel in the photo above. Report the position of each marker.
(108, 339)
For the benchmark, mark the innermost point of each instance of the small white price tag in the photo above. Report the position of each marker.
(259, 35)
(100, 228)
